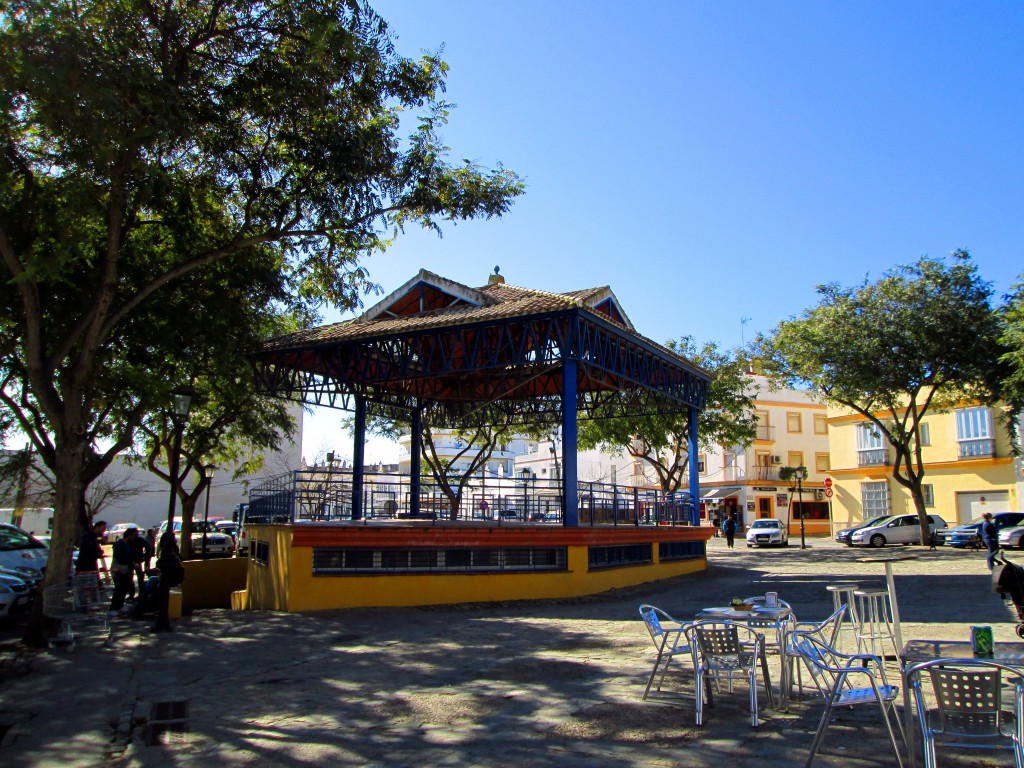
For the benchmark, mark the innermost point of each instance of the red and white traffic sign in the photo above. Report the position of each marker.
(828, 482)
(828, 493)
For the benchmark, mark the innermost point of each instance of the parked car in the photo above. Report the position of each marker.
(900, 529)
(506, 514)
(1011, 537)
(15, 596)
(767, 532)
(217, 544)
(843, 536)
(969, 534)
(19, 549)
(116, 532)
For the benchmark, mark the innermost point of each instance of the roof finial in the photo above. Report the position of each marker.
(495, 278)
(497, 270)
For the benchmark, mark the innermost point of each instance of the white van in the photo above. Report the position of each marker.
(901, 529)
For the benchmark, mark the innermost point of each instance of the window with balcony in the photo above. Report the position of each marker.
(820, 424)
(763, 467)
(871, 449)
(974, 433)
(729, 462)
(874, 499)
(765, 431)
(794, 422)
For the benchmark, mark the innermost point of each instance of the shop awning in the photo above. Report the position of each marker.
(721, 493)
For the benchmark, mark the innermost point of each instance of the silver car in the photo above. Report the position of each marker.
(901, 529)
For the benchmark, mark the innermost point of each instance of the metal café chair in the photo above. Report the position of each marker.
(968, 709)
(828, 631)
(725, 650)
(846, 680)
(669, 638)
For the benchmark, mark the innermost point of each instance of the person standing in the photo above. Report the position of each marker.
(990, 537)
(729, 529)
(90, 551)
(172, 573)
(123, 566)
(142, 553)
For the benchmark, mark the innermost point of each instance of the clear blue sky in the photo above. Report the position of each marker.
(716, 161)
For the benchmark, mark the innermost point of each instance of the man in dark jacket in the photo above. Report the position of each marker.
(90, 551)
(123, 567)
(142, 553)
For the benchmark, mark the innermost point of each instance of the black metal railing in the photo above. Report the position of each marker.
(322, 495)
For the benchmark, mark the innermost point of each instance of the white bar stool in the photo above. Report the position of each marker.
(842, 594)
(874, 621)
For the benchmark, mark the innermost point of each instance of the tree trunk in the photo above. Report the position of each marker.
(68, 516)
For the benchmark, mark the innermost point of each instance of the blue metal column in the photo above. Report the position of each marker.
(692, 447)
(570, 494)
(414, 461)
(358, 457)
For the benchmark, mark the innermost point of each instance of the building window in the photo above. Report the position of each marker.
(924, 430)
(869, 438)
(794, 422)
(929, 494)
(795, 458)
(702, 463)
(874, 499)
(820, 424)
(764, 426)
(974, 432)
(822, 462)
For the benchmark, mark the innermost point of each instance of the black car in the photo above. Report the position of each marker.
(843, 536)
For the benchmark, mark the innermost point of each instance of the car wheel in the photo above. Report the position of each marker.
(878, 540)
(749, 545)
(975, 543)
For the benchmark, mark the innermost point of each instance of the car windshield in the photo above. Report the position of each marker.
(13, 539)
(765, 524)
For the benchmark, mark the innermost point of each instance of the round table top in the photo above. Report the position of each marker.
(886, 558)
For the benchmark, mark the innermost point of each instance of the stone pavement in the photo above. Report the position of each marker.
(546, 683)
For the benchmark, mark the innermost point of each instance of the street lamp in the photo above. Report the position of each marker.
(208, 474)
(182, 400)
(801, 474)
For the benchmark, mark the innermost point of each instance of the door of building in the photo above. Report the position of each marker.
(971, 504)
(764, 506)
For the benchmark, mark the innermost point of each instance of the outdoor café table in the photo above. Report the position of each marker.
(891, 587)
(917, 651)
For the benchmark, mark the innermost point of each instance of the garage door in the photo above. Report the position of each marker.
(970, 504)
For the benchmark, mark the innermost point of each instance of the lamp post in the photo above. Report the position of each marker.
(328, 486)
(208, 474)
(525, 473)
(801, 475)
(182, 401)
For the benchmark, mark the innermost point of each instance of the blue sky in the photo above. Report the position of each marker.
(716, 161)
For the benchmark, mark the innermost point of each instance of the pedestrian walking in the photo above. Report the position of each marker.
(990, 537)
(716, 523)
(729, 529)
(123, 568)
(142, 553)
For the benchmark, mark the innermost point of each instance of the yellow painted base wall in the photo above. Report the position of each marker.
(291, 585)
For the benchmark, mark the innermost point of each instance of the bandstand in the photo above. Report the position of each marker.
(438, 352)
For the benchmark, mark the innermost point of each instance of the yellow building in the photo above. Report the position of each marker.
(968, 465)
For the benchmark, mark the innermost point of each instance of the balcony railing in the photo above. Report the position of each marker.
(876, 457)
(973, 449)
(765, 432)
(764, 472)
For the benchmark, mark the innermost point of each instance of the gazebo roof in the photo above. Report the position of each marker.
(436, 344)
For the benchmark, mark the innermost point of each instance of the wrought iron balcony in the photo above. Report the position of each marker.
(765, 432)
(876, 457)
(763, 472)
(973, 449)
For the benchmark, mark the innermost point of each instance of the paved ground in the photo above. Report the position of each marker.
(547, 683)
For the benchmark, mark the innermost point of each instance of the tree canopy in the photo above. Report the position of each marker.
(922, 337)
(147, 148)
(662, 440)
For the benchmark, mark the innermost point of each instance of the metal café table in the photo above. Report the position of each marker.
(955, 651)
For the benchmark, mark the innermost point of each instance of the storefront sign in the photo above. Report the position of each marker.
(769, 490)
(782, 500)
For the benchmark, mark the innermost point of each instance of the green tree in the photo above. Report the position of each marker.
(662, 440)
(142, 143)
(1012, 338)
(922, 338)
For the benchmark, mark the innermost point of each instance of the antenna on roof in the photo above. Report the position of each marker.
(743, 325)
